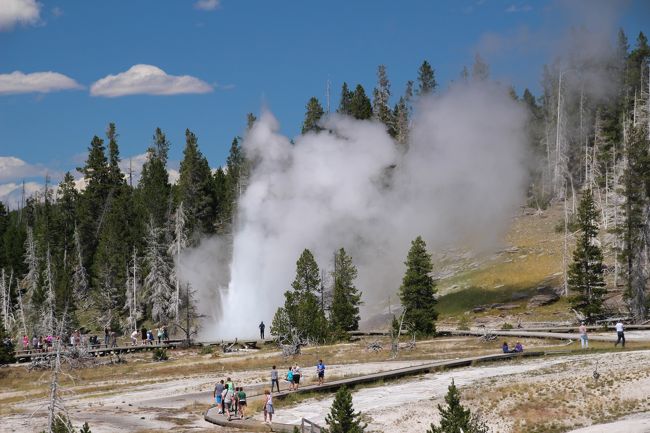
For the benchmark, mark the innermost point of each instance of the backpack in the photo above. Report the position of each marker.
(290, 375)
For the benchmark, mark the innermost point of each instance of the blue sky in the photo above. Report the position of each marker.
(246, 54)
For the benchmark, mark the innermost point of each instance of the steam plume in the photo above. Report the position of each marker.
(459, 182)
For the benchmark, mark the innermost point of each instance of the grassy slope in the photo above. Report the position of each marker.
(532, 259)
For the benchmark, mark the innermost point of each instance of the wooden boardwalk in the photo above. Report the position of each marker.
(214, 417)
(513, 333)
(27, 356)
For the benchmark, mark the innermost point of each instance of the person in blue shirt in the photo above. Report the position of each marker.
(320, 369)
(505, 347)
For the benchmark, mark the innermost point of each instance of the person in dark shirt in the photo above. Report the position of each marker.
(262, 326)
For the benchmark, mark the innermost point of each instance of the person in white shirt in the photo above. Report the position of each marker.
(620, 333)
(584, 340)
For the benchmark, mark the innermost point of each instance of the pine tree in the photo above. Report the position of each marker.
(586, 278)
(401, 116)
(250, 120)
(157, 282)
(345, 104)
(480, 69)
(118, 230)
(224, 202)
(301, 311)
(381, 99)
(196, 189)
(344, 313)
(67, 201)
(342, 417)
(417, 293)
(92, 202)
(312, 116)
(632, 229)
(455, 418)
(360, 107)
(6, 347)
(426, 79)
(154, 188)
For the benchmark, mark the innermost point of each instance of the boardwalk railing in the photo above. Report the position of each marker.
(307, 426)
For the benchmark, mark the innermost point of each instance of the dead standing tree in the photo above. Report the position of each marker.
(395, 336)
(291, 343)
(188, 322)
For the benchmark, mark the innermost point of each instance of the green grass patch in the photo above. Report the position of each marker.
(456, 303)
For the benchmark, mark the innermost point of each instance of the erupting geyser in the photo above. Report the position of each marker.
(459, 179)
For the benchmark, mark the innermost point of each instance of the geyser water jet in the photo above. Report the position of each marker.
(459, 180)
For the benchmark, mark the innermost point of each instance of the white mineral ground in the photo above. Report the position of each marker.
(404, 405)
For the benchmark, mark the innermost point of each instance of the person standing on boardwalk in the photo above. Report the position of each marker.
(143, 334)
(274, 379)
(320, 370)
(107, 333)
(241, 397)
(620, 332)
(262, 326)
(218, 389)
(227, 395)
(290, 378)
(584, 340)
(268, 406)
(296, 377)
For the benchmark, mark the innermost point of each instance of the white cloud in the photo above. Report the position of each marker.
(40, 82)
(147, 80)
(207, 5)
(11, 193)
(12, 168)
(134, 165)
(14, 12)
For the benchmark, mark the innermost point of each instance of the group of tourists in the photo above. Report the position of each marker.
(293, 375)
(231, 399)
(147, 336)
(39, 343)
(517, 349)
(42, 343)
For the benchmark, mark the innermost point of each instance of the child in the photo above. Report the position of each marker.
(235, 401)
(241, 397)
(268, 406)
(320, 370)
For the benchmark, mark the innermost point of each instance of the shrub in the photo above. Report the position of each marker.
(206, 350)
(506, 326)
(160, 354)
